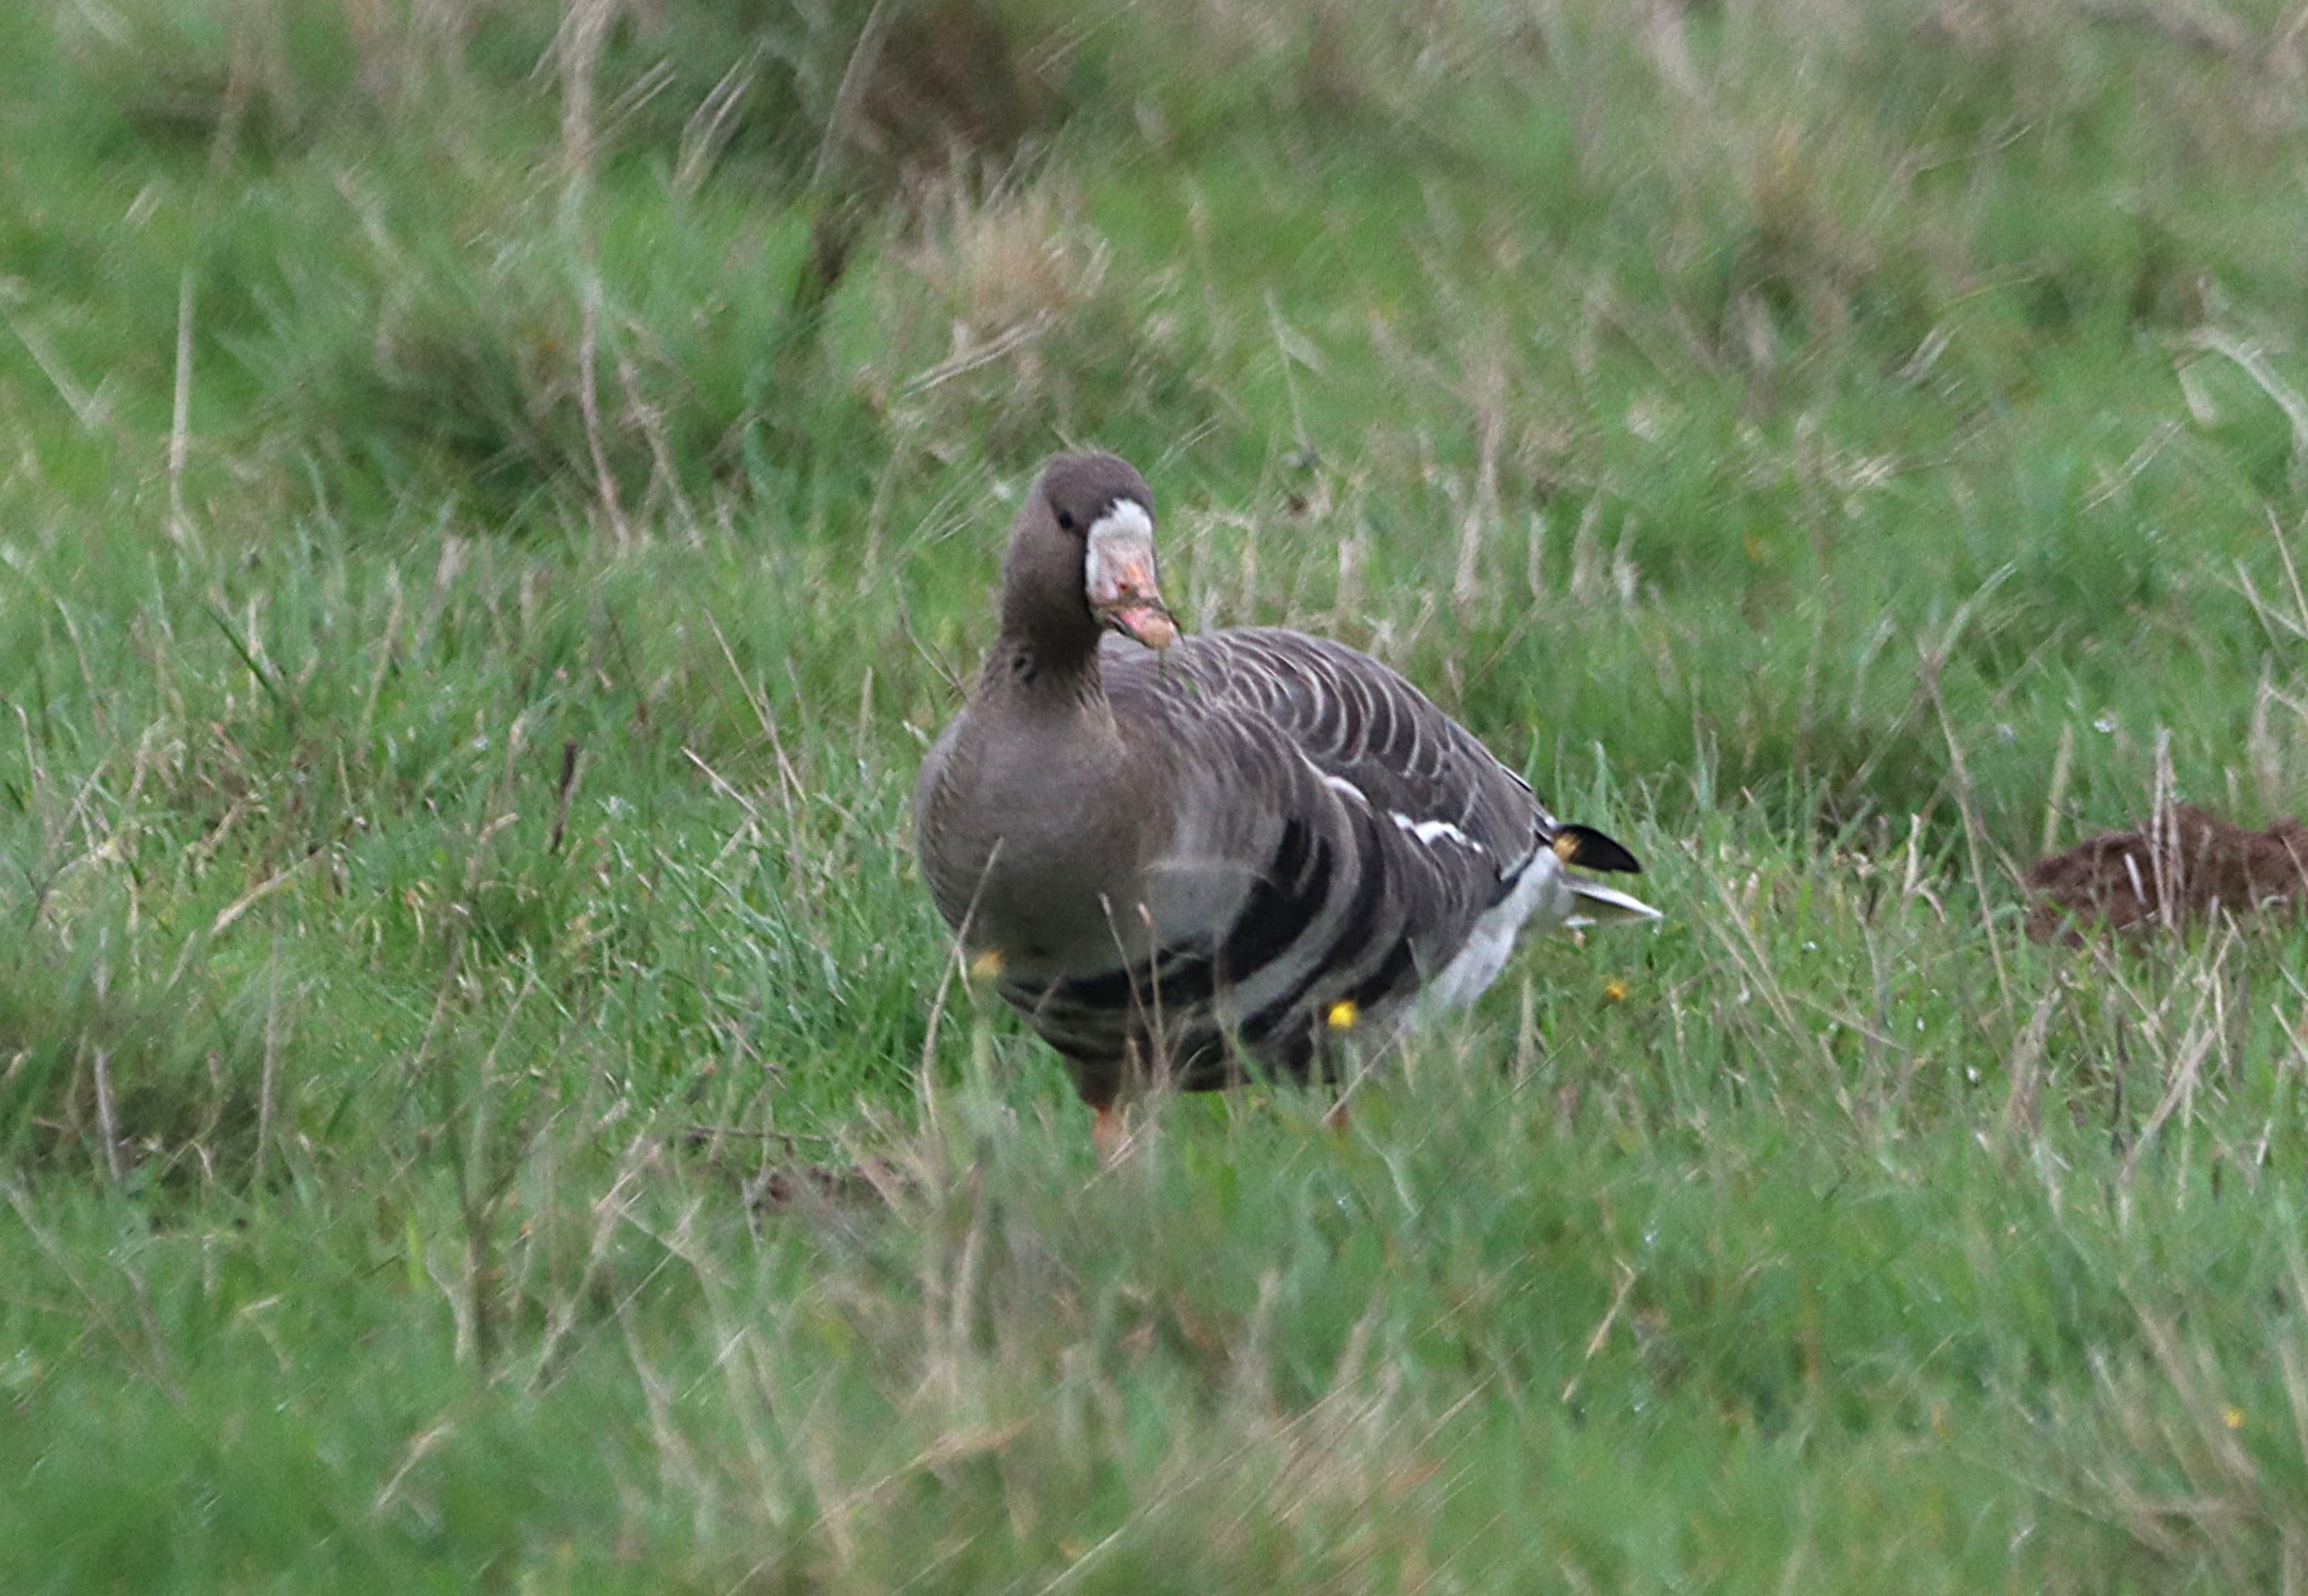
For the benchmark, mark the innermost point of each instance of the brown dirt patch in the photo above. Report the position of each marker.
(2185, 865)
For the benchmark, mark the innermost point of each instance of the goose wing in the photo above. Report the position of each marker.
(1337, 838)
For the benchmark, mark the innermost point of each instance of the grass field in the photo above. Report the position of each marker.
(494, 502)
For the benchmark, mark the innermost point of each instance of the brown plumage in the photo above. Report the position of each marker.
(1181, 851)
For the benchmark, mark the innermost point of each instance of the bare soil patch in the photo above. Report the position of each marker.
(2184, 865)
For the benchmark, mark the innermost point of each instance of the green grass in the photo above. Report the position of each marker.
(452, 784)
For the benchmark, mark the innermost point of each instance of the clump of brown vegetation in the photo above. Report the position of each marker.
(2185, 865)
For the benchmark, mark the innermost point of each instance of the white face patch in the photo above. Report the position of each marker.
(1120, 539)
(1118, 575)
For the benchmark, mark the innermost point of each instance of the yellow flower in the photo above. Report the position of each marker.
(1615, 991)
(986, 966)
(1344, 1013)
(2232, 1416)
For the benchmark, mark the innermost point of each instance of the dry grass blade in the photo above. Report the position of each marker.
(2251, 359)
(2184, 1070)
(180, 413)
(708, 131)
(956, 964)
(840, 122)
(229, 915)
(1755, 965)
(146, 1348)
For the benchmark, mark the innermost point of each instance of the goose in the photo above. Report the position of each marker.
(1178, 856)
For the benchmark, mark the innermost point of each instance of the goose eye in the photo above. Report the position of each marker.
(1066, 522)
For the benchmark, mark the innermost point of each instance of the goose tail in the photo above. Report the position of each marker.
(1600, 905)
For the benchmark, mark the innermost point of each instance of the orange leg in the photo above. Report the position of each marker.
(1108, 1132)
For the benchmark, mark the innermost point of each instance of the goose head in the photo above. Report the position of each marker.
(1082, 559)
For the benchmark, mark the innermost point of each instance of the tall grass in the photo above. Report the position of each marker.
(495, 499)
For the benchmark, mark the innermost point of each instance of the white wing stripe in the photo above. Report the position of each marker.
(1434, 831)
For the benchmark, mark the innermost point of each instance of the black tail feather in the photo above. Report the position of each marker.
(1587, 849)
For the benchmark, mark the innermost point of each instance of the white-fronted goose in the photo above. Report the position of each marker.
(1178, 852)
